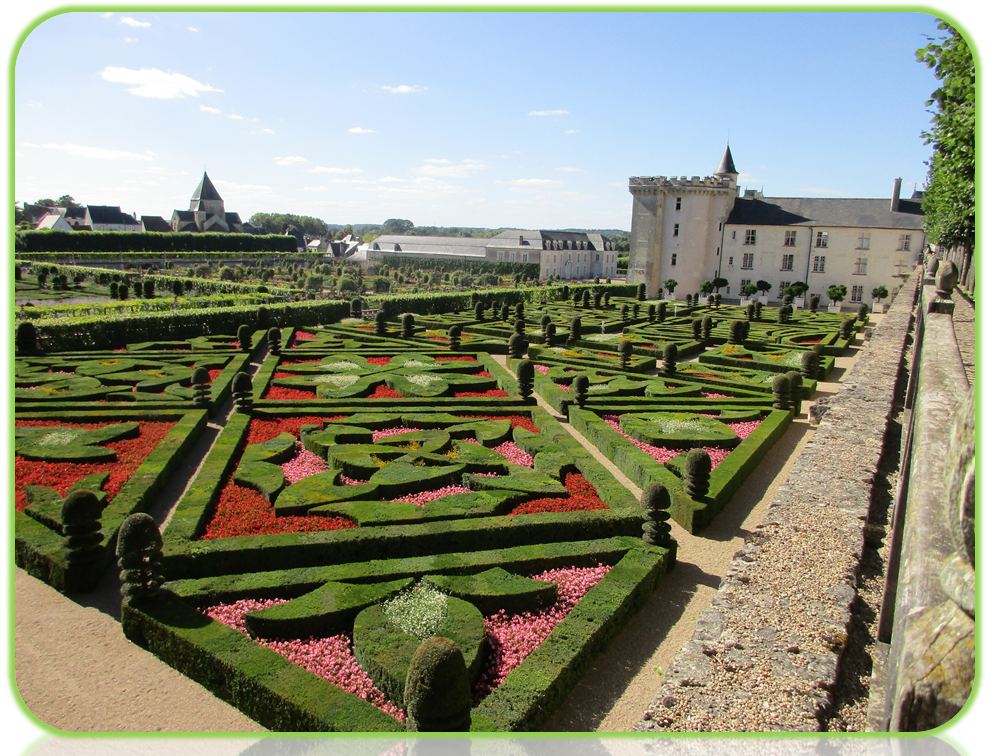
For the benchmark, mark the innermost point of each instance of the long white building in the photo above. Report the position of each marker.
(697, 229)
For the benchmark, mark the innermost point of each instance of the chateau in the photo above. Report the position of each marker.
(697, 229)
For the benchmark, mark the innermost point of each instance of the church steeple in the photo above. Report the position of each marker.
(726, 168)
(204, 195)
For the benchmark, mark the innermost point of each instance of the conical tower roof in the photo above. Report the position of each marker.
(206, 190)
(727, 166)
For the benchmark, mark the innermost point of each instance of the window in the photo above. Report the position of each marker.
(677, 203)
(787, 262)
(860, 269)
(747, 263)
(857, 294)
(863, 241)
(790, 238)
(780, 291)
(730, 260)
(819, 264)
(821, 239)
(733, 234)
(673, 259)
(677, 229)
(743, 283)
(904, 243)
(750, 236)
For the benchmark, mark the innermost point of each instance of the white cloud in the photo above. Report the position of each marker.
(290, 160)
(155, 83)
(192, 29)
(134, 23)
(333, 169)
(537, 182)
(210, 109)
(264, 131)
(360, 130)
(404, 88)
(93, 153)
(570, 132)
(553, 113)
(444, 167)
(235, 116)
(130, 40)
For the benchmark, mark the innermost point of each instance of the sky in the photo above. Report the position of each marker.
(467, 119)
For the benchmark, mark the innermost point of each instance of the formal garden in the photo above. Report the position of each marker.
(404, 520)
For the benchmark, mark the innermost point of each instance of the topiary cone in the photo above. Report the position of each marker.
(201, 387)
(81, 513)
(244, 334)
(781, 392)
(580, 389)
(139, 557)
(697, 473)
(794, 381)
(670, 359)
(525, 376)
(656, 512)
(438, 690)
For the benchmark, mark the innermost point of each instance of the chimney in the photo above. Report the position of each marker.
(895, 196)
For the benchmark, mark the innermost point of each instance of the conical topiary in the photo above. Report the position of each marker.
(201, 387)
(625, 353)
(656, 512)
(381, 323)
(525, 376)
(575, 330)
(580, 389)
(696, 328)
(479, 312)
(454, 337)
(549, 334)
(651, 313)
(139, 558)
(810, 365)
(670, 359)
(796, 389)
(244, 334)
(81, 513)
(356, 307)
(241, 389)
(438, 689)
(781, 392)
(503, 313)
(662, 311)
(274, 341)
(697, 472)
(26, 339)
(517, 346)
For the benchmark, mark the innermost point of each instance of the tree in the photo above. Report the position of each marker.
(670, 284)
(797, 289)
(836, 293)
(397, 226)
(747, 290)
(707, 287)
(275, 223)
(719, 283)
(763, 286)
(880, 292)
(949, 202)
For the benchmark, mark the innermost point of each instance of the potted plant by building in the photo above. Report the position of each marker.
(880, 293)
(720, 283)
(670, 284)
(707, 287)
(746, 292)
(797, 290)
(836, 293)
(763, 287)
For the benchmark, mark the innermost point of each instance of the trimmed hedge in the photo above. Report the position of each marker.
(126, 241)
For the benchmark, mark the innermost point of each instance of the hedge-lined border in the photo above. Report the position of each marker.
(826, 367)
(185, 556)
(68, 242)
(643, 470)
(41, 551)
(282, 696)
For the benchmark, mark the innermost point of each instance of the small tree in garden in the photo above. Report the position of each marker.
(139, 558)
(549, 334)
(688, 299)
(577, 299)
(479, 312)
(149, 289)
(656, 512)
(241, 389)
(814, 302)
(244, 334)
(750, 311)
(586, 298)
(201, 388)
(503, 313)
(707, 287)
(607, 300)
(781, 392)
(113, 290)
(810, 365)
(670, 284)
(264, 317)
(454, 337)
(719, 283)
(26, 339)
(177, 289)
(669, 359)
(517, 346)
(737, 331)
(836, 292)
(356, 307)
(641, 292)
(438, 689)
(697, 473)
(544, 322)
(565, 292)
(274, 337)
(747, 290)
(661, 312)
(718, 300)
(495, 310)
(763, 286)
(81, 512)
(624, 313)
(123, 290)
(706, 329)
(138, 289)
(625, 353)
(381, 323)
(596, 299)
(525, 376)
(784, 314)
(880, 292)
(757, 310)
(846, 328)
(520, 311)
(580, 389)
(519, 326)
(696, 329)
(711, 301)
(863, 313)
(635, 311)
(651, 313)
(796, 389)
(408, 325)
(575, 330)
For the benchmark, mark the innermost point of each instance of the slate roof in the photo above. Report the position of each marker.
(110, 214)
(727, 165)
(809, 211)
(206, 190)
(448, 245)
(232, 219)
(155, 223)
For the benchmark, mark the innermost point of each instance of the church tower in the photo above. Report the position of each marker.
(677, 227)
(207, 207)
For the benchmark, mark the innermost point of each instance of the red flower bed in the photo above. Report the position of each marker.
(242, 511)
(215, 373)
(285, 363)
(479, 394)
(283, 393)
(379, 360)
(61, 476)
(518, 421)
(265, 429)
(459, 358)
(385, 392)
(582, 496)
(441, 339)
(482, 374)
(304, 336)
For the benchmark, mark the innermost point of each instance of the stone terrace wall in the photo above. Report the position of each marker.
(765, 655)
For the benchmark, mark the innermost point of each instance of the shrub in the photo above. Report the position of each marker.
(454, 337)
(846, 328)
(737, 331)
(794, 379)
(244, 334)
(656, 512)
(814, 302)
(139, 557)
(864, 312)
(880, 292)
(437, 689)
(517, 346)
(503, 313)
(624, 313)
(81, 527)
(697, 473)
(201, 387)
(177, 289)
(781, 392)
(706, 329)
(696, 328)
(651, 313)
(580, 389)
(26, 339)
(241, 389)
(575, 330)
(356, 307)
(641, 292)
(549, 334)
(625, 353)
(479, 311)
(274, 340)
(525, 375)
(670, 359)
(264, 317)
(520, 311)
(113, 290)
(750, 311)
(408, 325)
(149, 289)
(545, 321)
(519, 326)
(810, 365)
(661, 312)
(586, 299)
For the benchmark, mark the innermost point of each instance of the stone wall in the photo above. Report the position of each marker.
(765, 655)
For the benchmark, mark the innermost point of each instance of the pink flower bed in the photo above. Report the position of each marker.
(330, 658)
(304, 464)
(378, 435)
(714, 395)
(744, 430)
(541, 369)
(563, 387)
(350, 481)
(513, 637)
(421, 499)
(514, 454)
(664, 454)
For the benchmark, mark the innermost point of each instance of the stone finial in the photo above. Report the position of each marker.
(947, 278)
(656, 506)
(931, 268)
(139, 557)
(81, 527)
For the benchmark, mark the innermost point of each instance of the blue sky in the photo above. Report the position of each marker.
(504, 119)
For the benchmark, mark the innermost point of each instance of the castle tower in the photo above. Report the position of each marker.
(677, 227)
